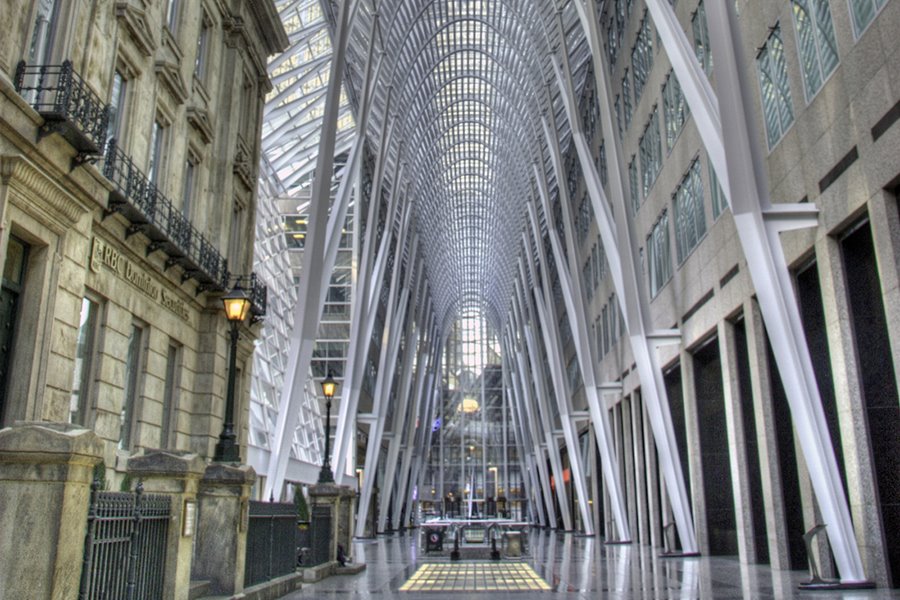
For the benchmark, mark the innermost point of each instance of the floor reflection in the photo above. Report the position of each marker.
(577, 567)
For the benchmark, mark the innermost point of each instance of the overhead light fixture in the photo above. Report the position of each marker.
(468, 405)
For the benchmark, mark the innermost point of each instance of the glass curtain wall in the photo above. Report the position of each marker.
(473, 466)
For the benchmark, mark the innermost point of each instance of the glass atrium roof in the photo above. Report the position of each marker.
(463, 85)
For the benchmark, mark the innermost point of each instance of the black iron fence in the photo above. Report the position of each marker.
(271, 541)
(125, 545)
(320, 535)
(66, 102)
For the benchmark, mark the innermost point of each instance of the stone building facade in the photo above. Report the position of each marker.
(826, 102)
(129, 152)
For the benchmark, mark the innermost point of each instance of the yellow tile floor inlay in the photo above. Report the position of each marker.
(474, 577)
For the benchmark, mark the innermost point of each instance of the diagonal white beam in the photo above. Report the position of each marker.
(572, 296)
(308, 308)
(624, 266)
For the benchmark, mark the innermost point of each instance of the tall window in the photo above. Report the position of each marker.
(774, 86)
(133, 360)
(690, 222)
(618, 107)
(202, 52)
(719, 202)
(187, 191)
(659, 254)
(168, 423)
(816, 42)
(42, 38)
(701, 38)
(642, 58)
(626, 97)
(172, 15)
(604, 174)
(157, 152)
(633, 187)
(651, 152)
(235, 243)
(675, 109)
(85, 350)
(12, 284)
(117, 98)
(864, 12)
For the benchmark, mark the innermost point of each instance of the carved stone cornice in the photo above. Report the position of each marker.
(170, 76)
(198, 118)
(39, 190)
(135, 22)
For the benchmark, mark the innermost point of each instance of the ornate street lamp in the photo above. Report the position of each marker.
(329, 385)
(237, 305)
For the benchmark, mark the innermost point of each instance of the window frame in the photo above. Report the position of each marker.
(133, 385)
(87, 374)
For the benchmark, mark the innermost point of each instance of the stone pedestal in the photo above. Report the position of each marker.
(175, 474)
(45, 476)
(221, 546)
(341, 501)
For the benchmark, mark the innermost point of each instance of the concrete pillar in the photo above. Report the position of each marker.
(177, 475)
(45, 476)
(340, 500)
(223, 507)
(743, 498)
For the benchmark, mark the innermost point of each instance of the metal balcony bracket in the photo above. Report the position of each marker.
(135, 228)
(189, 275)
(153, 247)
(171, 262)
(83, 158)
(115, 206)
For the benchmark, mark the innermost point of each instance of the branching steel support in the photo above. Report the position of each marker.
(725, 125)
(624, 266)
(307, 311)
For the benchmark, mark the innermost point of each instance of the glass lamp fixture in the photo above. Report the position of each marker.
(237, 304)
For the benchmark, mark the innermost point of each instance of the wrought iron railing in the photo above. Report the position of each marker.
(259, 294)
(68, 105)
(70, 108)
(125, 545)
(271, 541)
(153, 214)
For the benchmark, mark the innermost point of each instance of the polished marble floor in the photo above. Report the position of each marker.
(579, 568)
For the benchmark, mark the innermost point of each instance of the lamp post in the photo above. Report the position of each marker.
(237, 305)
(329, 385)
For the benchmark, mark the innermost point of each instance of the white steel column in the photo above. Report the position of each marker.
(573, 297)
(526, 424)
(401, 415)
(758, 223)
(387, 362)
(361, 328)
(550, 331)
(307, 310)
(416, 418)
(540, 429)
(624, 266)
(541, 393)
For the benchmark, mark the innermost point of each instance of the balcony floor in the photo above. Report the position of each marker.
(575, 568)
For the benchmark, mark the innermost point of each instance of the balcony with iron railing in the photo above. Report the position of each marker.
(150, 212)
(70, 108)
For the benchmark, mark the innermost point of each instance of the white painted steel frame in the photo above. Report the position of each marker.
(725, 125)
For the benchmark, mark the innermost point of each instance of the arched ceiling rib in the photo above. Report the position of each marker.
(463, 86)
(469, 87)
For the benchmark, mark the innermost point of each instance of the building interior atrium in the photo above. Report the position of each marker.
(565, 297)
